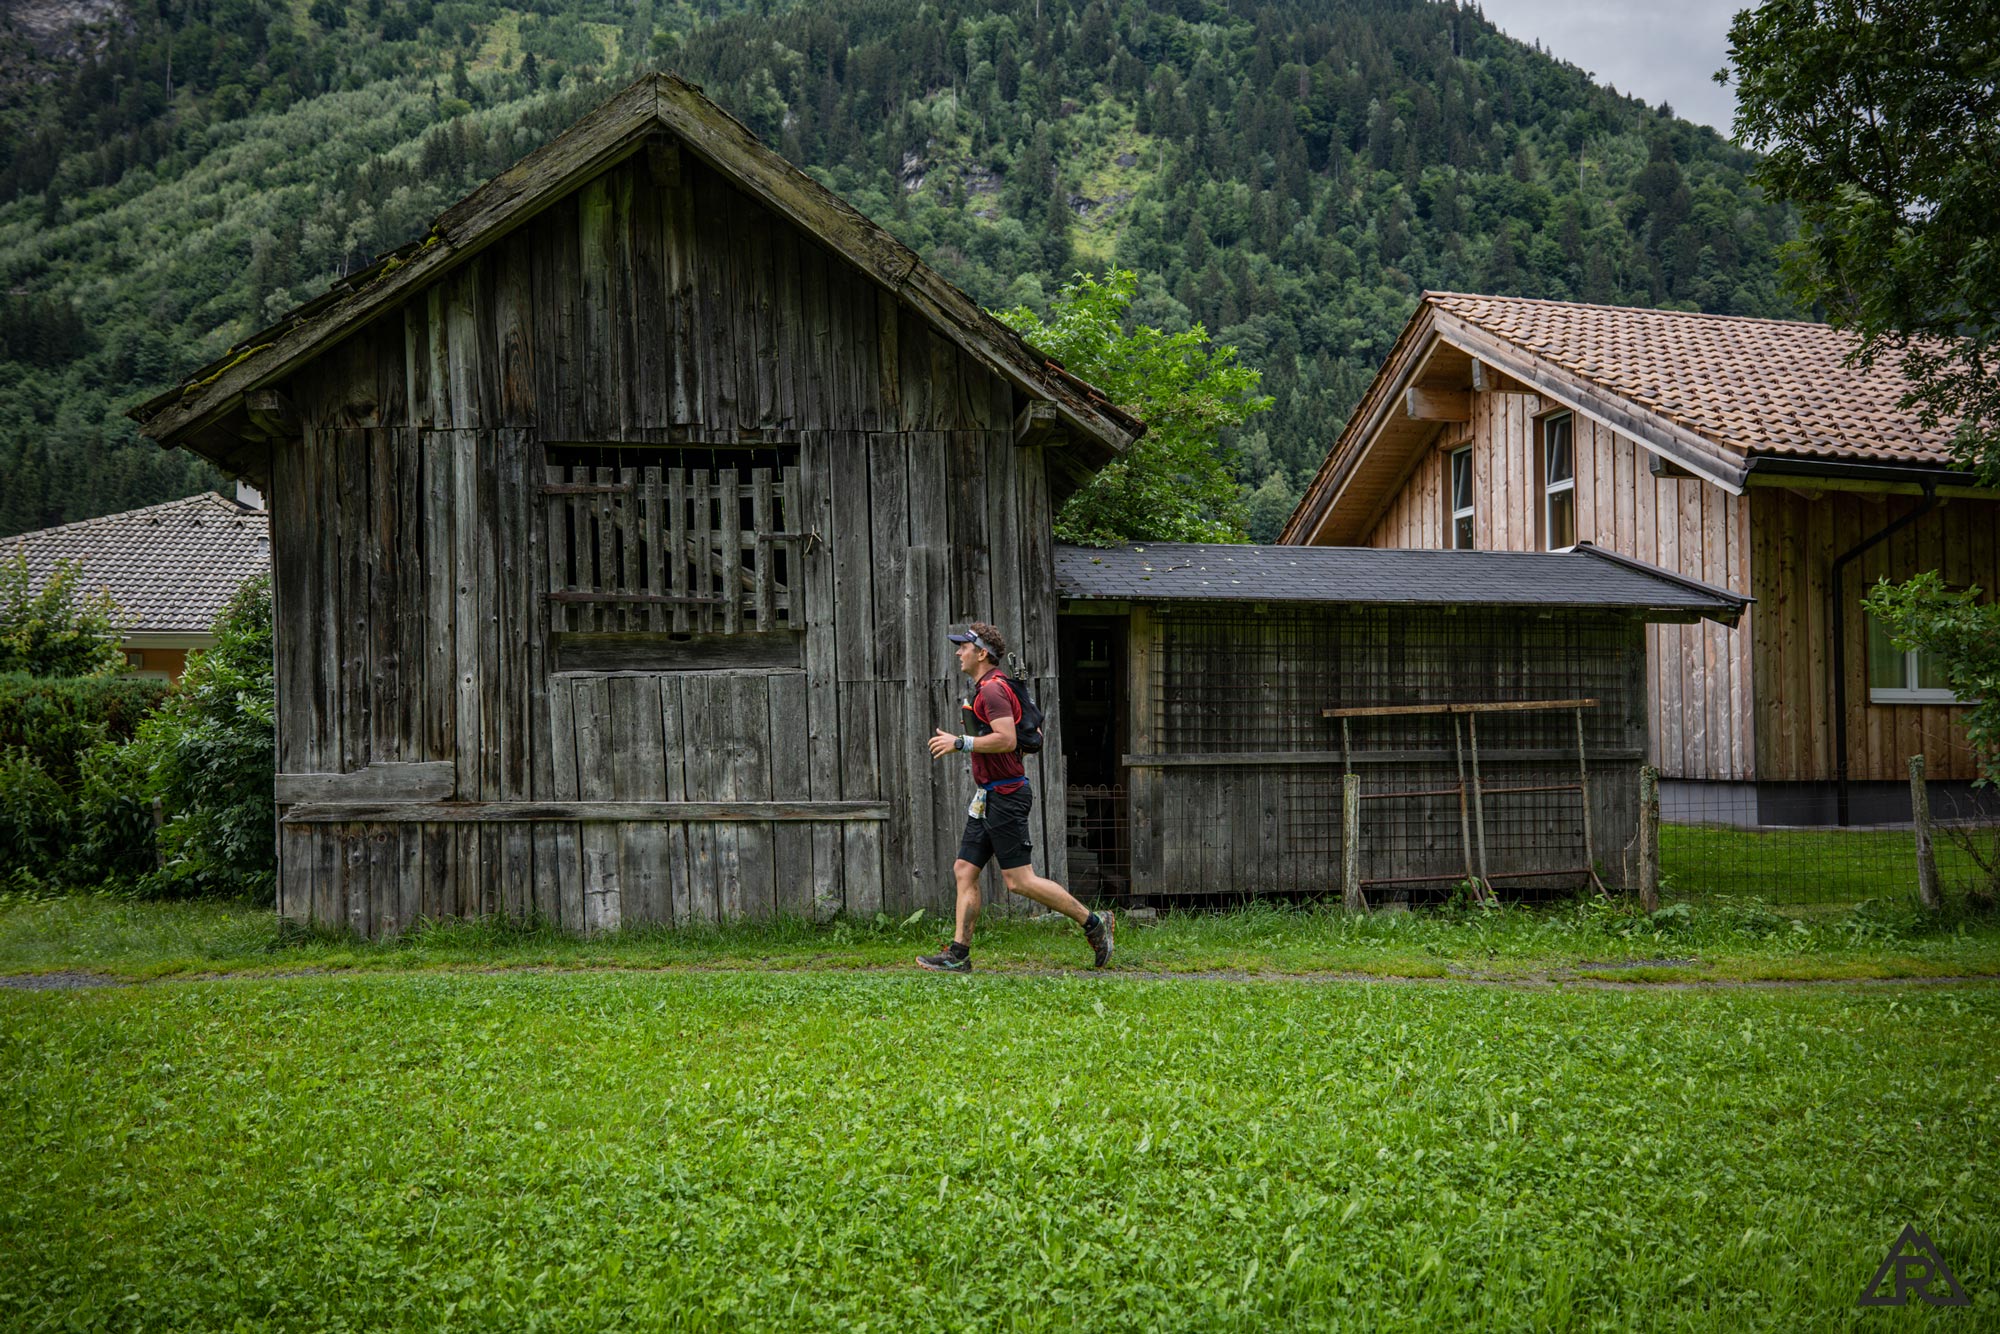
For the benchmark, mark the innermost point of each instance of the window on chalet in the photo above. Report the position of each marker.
(668, 558)
(1898, 677)
(1558, 483)
(1461, 499)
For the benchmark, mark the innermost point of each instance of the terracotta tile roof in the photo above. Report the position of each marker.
(1753, 385)
(171, 568)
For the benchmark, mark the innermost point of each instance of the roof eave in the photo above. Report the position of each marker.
(1726, 467)
(1727, 607)
(600, 140)
(1357, 437)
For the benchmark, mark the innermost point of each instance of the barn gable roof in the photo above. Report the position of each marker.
(171, 568)
(1718, 395)
(198, 414)
(1584, 578)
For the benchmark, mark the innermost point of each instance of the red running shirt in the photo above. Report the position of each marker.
(990, 699)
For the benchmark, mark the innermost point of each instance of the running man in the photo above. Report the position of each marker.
(996, 824)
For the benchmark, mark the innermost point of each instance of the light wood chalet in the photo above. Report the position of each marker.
(1741, 452)
(617, 525)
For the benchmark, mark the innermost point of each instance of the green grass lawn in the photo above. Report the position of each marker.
(531, 1150)
(1720, 938)
(1813, 866)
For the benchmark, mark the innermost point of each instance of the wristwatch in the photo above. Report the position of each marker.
(963, 743)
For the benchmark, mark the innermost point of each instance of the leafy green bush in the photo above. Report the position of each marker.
(34, 817)
(59, 629)
(210, 754)
(112, 839)
(1960, 632)
(57, 720)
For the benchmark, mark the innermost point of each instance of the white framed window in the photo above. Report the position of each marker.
(1898, 677)
(1558, 483)
(1461, 499)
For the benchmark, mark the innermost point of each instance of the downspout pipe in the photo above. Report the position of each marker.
(1840, 563)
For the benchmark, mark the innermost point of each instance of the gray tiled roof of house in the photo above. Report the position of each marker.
(1208, 572)
(171, 568)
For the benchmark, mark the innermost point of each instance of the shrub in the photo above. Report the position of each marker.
(34, 817)
(112, 839)
(210, 754)
(56, 720)
(59, 630)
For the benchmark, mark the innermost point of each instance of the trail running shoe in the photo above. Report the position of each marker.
(945, 962)
(1100, 939)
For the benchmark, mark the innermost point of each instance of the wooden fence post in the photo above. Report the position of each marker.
(1649, 838)
(1350, 844)
(1920, 815)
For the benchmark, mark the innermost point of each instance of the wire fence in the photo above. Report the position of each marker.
(1712, 842)
(1786, 848)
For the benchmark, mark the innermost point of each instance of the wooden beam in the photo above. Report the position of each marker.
(662, 652)
(584, 812)
(1504, 706)
(663, 162)
(1227, 759)
(272, 413)
(1489, 379)
(1811, 488)
(1037, 424)
(429, 781)
(1437, 405)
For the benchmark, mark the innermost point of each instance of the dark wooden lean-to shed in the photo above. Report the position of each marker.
(1489, 706)
(616, 527)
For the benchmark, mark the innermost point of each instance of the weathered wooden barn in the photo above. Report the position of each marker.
(1492, 706)
(616, 527)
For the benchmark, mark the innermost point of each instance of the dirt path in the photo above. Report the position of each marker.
(78, 979)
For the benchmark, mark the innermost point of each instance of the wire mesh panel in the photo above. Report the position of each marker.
(1100, 844)
(1966, 836)
(1712, 842)
(1232, 680)
(1248, 798)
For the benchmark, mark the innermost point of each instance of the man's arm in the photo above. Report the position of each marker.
(997, 742)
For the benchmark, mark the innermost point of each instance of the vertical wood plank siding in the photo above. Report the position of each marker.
(1794, 538)
(413, 546)
(1701, 725)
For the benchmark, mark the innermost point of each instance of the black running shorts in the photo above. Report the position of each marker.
(1002, 833)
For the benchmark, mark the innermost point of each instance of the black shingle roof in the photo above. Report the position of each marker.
(1210, 572)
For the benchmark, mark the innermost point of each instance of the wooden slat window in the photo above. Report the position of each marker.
(670, 541)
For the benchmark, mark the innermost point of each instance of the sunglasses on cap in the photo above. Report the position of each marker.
(968, 637)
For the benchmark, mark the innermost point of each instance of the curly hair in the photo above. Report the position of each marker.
(994, 639)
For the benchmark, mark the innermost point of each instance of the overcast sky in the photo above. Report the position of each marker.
(1661, 50)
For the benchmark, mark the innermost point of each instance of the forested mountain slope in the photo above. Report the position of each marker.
(1290, 174)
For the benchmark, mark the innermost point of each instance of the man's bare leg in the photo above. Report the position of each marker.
(1023, 881)
(1096, 929)
(968, 900)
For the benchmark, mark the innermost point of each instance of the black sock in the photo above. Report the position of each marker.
(958, 951)
(1091, 923)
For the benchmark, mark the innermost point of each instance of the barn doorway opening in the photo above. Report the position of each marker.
(1095, 740)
